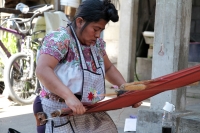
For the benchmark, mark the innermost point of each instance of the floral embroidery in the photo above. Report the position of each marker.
(66, 43)
(70, 56)
(60, 46)
(43, 93)
(77, 54)
(94, 95)
(52, 52)
(90, 96)
(93, 66)
(60, 43)
(101, 47)
(49, 36)
(97, 94)
(51, 96)
(87, 54)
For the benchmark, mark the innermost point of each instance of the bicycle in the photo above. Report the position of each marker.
(19, 72)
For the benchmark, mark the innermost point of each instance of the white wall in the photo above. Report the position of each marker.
(111, 37)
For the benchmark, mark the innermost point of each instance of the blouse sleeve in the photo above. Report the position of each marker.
(101, 45)
(56, 44)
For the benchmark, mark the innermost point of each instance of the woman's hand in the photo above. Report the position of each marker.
(75, 105)
(137, 105)
(46, 64)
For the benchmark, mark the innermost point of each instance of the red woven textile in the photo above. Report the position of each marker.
(168, 82)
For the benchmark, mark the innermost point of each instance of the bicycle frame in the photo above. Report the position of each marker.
(28, 51)
(15, 32)
(24, 33)
(19, 76)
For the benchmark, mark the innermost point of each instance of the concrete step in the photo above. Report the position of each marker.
(193, 91)
(189, 124)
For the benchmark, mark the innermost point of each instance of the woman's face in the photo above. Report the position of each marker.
(91, 32)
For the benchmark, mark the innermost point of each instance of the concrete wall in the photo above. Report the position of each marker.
(146, 18)
(193, 91)
(146, 13)
(144, 69)
(111, 37)
(128, 33)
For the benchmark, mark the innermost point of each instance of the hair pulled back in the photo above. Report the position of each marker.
(94, 10)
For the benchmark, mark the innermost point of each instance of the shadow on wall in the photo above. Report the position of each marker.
(194, 50)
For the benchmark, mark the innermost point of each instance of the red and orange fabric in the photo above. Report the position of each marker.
(149, 88)
(155, 86)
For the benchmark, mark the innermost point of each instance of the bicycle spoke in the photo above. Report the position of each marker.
(23, 87)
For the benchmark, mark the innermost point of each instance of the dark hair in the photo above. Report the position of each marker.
(94, 10)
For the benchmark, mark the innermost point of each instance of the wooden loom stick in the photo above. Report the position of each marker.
(130, 87)
(140, 82)
(193, 84)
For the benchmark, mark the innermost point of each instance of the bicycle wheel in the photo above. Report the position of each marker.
(21, 88)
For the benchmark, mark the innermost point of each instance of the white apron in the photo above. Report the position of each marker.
(94, 86)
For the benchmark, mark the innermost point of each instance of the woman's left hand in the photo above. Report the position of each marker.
(137, 105)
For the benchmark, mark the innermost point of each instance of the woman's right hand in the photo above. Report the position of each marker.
(75, 105)
(46, 64)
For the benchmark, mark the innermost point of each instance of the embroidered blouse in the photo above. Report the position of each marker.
(62, 45)
(60, 42)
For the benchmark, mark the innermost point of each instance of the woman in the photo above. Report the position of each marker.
(72, 66)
